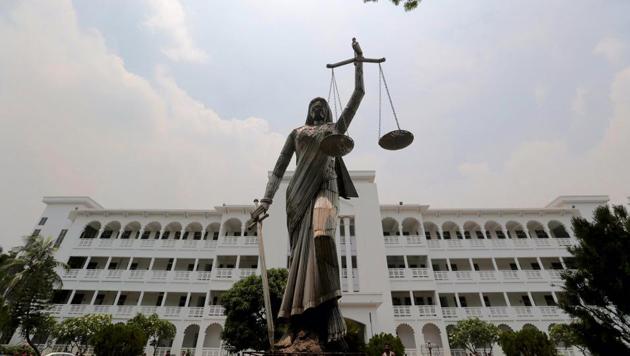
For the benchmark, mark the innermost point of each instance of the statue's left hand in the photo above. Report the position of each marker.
(357, 49)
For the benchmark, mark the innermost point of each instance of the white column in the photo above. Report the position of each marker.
(174, 264)
(483, 303)
(411, 297)
(472, 265)
(507, 299)
(518, 265)
(494, 264)
(188, 300)
(109, 260)
(71, 296)
(531, 298)
(151, 262)
(164, 299)
(117, 297)
(457, 300)
(405, 261)
(448, 264)
(200, 338)
(540, 263)
(346, 234)
(140, 232)
(196, 265)
(554, 296)
(140, 298)
(238, 260)
(100, 232)
(94, 297)
(129, 264)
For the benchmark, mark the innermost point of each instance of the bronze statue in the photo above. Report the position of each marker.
(313, 287)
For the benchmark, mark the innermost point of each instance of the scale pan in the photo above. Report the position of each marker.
(336, 145)
(396, 140)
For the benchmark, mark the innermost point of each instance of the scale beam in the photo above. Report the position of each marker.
(352, 60)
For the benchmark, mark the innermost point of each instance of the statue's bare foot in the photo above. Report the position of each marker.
(302, 341)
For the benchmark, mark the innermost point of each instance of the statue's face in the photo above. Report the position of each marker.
(317, 113)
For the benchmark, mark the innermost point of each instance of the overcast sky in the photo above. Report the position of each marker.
(185, 104)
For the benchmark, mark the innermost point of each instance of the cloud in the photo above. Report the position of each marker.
(611, 48)
(169, 18)
(75, 121)
(579, 105)
(539, 170)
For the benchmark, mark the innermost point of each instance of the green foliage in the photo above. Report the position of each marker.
(473, 334)
(119, 340)
(407, 4)
(526, 342)
(78, 332)
(14, 349)
(245, 323)
(28, 281)
(596, 292)
(354, 338)
(563, 335)
(157, 330)
(377, 343)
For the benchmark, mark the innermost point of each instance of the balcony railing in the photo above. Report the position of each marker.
(495, 312)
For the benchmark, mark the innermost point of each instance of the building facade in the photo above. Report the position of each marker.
(406, 269)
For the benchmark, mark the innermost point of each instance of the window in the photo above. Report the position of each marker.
(427, 234)
(541, 234)
(126, 235)
(134, 266)
(60, 238)
(92, 265)
(165, 235)
(467, 235)
(182, 301)
(513, 267)
(169, 265)
(549, 300)
(157, 235)
(178, 235)
(78, 298)
(459, 235)
(191, 266)
(407, 301)
(419, 300)
(197, 235)
(159, 300)
(526, 301)
(446, 235)
(479, 235)
(122, 299)
(486, 301)
(208, 267)
(436, 267)
(556, 265)
(145, 235)
(500, 234)
(112, 265)
(186, 235)
(521, 234)
(42, 221)
(453, 267)
(215, 235)
(36, 232)
(201, 301)
(106, 234)
(535, 266)
(476, 266)
(444, 302)
(99, 299)
(430, 300)
(462, 302)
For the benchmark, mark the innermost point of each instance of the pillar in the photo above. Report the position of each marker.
(483, 303)
(564, 266)
(346, 234)
(71, 296)
(494, 264)
(140, 298)
(457, 300)
(540, 263)
(117, 297)
(518, 265)
(200, 338)
(531, 298)
(164, 299)
(151, 262)
(196, 266)
(188, 300)
(507, 299)
(94, 297)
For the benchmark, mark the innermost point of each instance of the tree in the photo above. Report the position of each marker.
(563, 335)
(529, 341)
(157, 330)
(7, 324)
(407, 4)
(596, 291)
(474, 334)
(79, 331)
(377, 343)
(28, 282)
(245, 323)
(120, 340)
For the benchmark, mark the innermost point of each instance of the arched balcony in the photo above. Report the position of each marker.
(172, 231)
(91, 230)
(232, 227)
(494, 230)
(111, 230)
(536, 229)
(151, 230)
(558, 230)
(131, 230)
(212, 231)
(390, 227)
(431, 231)
(451, 230)
(515, 230)
(411, 227)
(192, 231)
(472, 230)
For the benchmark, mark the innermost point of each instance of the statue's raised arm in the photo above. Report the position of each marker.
(359, 90)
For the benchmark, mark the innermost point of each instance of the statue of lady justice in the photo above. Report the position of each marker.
(313, 287)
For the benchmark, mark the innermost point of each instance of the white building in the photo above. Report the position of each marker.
(406, 268)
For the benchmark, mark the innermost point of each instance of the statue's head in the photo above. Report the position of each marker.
(318, 112)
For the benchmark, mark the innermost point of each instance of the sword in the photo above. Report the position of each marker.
(258, 215)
